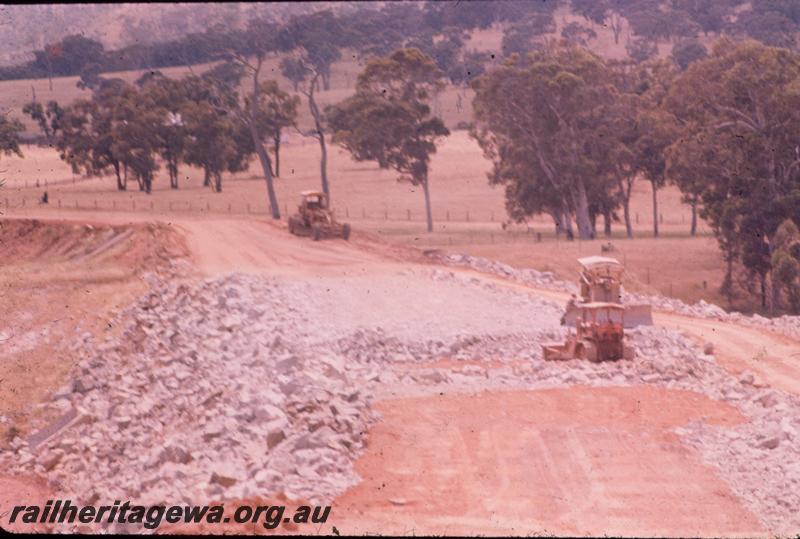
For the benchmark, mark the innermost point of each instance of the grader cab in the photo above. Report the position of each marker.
(599, 336)
(314, 218)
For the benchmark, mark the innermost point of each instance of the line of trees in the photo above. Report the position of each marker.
(569, 135)
(131, 129)
(218, 120)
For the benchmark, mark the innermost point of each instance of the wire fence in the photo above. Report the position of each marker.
(231, 207)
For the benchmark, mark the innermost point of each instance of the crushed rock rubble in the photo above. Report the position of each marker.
(207, 396)
(250, 390)
(787, 324)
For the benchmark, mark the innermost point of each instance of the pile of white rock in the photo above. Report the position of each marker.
(209, 394)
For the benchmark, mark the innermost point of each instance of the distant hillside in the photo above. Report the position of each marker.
(25, 28)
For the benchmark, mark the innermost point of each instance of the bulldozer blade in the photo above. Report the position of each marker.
(635, 315)
(638, 315)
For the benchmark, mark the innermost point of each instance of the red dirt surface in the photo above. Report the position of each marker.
(578, 461)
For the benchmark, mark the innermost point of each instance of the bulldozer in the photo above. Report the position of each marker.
(600, 281)
(599, 335)
(314, 218)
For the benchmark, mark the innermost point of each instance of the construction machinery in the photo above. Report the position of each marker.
(601, 281)
(599, 335)
(314, 218)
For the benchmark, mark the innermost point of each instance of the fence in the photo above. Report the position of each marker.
(239, 208)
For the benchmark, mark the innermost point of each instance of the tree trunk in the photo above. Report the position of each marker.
(616, 27)
(727, 283)
(218, 182)
(278, 156)
(263, 156)
(323, 161)
(173, 174)
(582, 211)
(693, 230)
(206, 177)
(655, 208)
(326, 79)
(558, 220)
(428, 213)
(607, 223)
(120, 185)
(567, 225)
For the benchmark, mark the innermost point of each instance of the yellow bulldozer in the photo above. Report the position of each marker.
(314, 218)
(600, 281)
(599, 335)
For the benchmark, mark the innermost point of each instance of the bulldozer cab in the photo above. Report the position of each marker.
(600, 279)
(313, 200)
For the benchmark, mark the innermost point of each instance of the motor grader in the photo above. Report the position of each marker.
(599, 335)
(314, 218)
(600, 281)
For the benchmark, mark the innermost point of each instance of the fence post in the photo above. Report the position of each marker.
(409, 214)
(59, 203)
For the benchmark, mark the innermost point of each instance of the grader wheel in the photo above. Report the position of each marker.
(316, 232)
